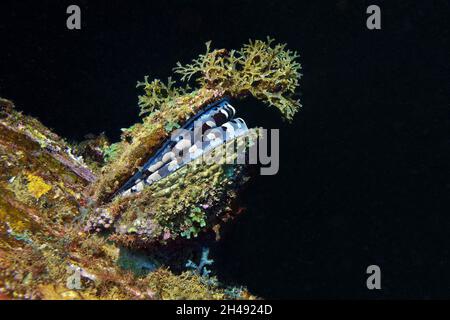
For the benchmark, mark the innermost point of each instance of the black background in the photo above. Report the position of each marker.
(363, 168)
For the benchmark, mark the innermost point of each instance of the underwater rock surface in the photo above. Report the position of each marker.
(42, 242)
(69, 229)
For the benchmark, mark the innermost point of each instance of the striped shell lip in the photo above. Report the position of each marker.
(208, 129)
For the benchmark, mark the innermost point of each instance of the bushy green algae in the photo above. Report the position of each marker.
(268, 72)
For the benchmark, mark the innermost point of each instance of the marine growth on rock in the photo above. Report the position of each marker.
(123, 220)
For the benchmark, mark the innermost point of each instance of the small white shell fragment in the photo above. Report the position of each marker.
(168, 156)
(210, 136)
(224, 112)
(183, 144)
(156, 166)
(210, 123)
(193, 149)
(153, 177)
(172, 165)
(140, 186)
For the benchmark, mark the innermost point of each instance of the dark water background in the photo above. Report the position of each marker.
(364, 167)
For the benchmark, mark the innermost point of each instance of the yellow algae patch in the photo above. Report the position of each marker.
(17, 219)
(58, 292)
(37, 186)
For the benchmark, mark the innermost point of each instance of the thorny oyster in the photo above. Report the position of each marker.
(148, 191)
